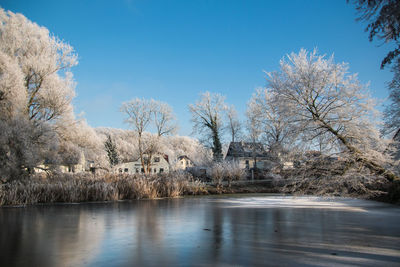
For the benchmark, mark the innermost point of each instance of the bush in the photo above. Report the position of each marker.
(226, 171)
(352, 184)
(83, 187)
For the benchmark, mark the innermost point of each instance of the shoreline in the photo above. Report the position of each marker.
(187, 190)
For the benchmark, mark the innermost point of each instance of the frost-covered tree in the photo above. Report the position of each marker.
(12, 91)
(139, 113)
(125, 142)
(142, 114)
(42, 61)
(83, 143)
(327, 100)
(207, 118)
(233, 126)
(36, 89)
(173, 146)
(111, 150)
(23, 146)
(392, 111)
(254, 133)
(163, 118)
(266, 115)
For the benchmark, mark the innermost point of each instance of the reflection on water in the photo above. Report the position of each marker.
(244, 230)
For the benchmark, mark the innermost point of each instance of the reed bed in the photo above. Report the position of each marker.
(57, 188)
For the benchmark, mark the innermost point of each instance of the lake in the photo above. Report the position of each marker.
(229, 230)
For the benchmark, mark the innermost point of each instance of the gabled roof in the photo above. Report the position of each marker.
(184, 157)
(246, 149)
(165, 156)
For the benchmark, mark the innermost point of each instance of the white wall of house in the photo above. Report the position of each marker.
(288, 165)
(248, 162)
(183, 163)
(158, 165)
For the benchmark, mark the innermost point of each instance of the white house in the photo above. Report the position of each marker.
(249, 155)
(184, 162)
(159, 164)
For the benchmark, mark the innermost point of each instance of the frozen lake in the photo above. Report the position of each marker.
(204, 231)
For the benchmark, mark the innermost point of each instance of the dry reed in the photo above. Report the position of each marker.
(83, 187)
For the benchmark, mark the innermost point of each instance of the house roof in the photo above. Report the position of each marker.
(246, 149)
(184, 157)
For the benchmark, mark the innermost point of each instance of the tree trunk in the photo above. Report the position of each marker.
(217, 147)
(141, 153)
(358, 156)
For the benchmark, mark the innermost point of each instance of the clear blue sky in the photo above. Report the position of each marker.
(173, 50)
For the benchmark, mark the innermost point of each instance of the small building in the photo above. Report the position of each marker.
(159, 164)
(249, 155)
(184, 162)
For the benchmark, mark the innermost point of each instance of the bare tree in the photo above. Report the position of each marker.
(264, 111)
(234, 126)
(327, 100)
(164, 119)
(165, 124)
(141, 114)
(207, 118)
(254, 133)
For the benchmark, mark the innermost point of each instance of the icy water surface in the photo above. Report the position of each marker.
(252, 230)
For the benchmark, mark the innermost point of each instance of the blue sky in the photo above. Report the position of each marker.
(173, 50)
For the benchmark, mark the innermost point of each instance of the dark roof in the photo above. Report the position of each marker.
(396, 136)
(246, 149)
(184, 157)
(165, 156)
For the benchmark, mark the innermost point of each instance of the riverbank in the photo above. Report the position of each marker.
(64, 188)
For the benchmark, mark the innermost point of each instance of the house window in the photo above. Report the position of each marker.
(120, 170)
(137, 170)
(247, 164)
(157, 159)
(161, 170)
(187, 162)
(155, 170)
(126, 170)
(182, 162)
(142, 170)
